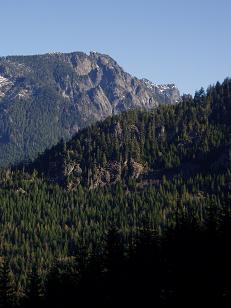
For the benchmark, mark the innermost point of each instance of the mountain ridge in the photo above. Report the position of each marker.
(137, 146)
(44, 98)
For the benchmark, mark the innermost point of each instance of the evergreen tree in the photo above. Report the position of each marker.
(7, 291)
(34, 289)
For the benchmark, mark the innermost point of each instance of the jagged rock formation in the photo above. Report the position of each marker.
(47, 97)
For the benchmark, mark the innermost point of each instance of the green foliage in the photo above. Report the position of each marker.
(185, 150)
(7, 295)
(187, 266)
(42, 221)
(190, 137)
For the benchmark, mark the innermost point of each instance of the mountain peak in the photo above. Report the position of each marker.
(44, 98)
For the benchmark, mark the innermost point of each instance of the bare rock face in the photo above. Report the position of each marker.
(47, 97)
(137, 169)
(102, 176)
(111, 174)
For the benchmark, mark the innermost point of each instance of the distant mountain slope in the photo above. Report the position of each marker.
(189, 138)
(44, 98)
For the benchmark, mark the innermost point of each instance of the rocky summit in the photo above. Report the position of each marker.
(44, 98)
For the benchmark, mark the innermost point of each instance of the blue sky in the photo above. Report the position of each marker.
(185, 42)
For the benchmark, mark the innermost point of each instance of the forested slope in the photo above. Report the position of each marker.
(132, 172)
(188, 138)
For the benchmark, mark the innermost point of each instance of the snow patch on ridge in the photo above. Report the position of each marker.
(160, 87)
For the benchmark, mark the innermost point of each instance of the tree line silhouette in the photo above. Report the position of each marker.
(187, 265)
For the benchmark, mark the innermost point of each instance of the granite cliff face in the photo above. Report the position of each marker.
(47, 97)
